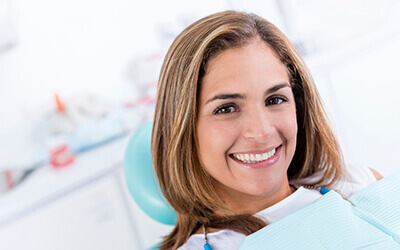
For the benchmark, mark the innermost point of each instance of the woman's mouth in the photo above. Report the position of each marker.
(260, 160)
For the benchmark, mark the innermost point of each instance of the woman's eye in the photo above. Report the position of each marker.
(275, 100)
(225, 110)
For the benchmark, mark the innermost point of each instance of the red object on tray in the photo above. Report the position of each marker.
(61, 156)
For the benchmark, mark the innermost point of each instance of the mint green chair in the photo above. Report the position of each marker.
(141, 180)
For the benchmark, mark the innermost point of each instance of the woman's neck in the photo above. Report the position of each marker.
(243, 203)
(252, 205)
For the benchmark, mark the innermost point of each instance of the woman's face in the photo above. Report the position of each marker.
(247, 125)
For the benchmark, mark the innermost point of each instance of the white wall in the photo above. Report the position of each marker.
(86, 45)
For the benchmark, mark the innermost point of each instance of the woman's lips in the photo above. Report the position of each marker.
(262, 164)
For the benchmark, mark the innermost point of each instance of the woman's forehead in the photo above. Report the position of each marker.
(245, 66)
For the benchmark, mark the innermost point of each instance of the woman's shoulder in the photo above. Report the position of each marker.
(377, 175)
(359, 174)
(223, 239)
(356, 178)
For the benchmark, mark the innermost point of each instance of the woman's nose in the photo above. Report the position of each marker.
(258, 127)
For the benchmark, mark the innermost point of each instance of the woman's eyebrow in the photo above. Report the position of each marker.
(240, 96)
(226, 96)
(276, 88)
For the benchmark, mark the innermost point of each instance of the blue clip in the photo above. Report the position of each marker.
(207, 246)
(324, 190)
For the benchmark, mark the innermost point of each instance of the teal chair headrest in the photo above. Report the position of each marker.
(140, 178)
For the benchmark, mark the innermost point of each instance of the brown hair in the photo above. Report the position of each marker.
(184, 182)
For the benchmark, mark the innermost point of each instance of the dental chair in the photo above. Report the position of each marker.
(141, 181)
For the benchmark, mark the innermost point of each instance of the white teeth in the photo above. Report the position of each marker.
(254, 158)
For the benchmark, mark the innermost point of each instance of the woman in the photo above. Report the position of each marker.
(239, 132)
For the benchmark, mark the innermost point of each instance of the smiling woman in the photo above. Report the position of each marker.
(247, 126)
(238, 125)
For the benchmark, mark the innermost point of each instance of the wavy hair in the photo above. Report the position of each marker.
(184, 182)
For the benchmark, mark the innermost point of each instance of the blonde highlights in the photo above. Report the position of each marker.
(184, 182)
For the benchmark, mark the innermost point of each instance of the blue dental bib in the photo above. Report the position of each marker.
(334, 223)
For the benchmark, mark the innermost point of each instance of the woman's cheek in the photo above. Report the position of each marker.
(220, 132)
(289, 124)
